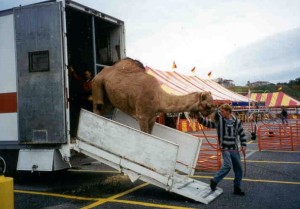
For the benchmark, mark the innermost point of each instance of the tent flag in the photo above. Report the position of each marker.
(193, 70)
(209, 74)
(279, 88)
(174, 65)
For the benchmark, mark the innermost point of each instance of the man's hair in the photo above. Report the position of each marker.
(226, 107)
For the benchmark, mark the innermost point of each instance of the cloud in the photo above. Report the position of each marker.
(194, 33)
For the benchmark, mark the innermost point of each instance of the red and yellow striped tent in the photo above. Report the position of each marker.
(276, 99)
(179, 84)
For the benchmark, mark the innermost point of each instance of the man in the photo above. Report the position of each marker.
(284, 115)
(85, 97)
(230, 135)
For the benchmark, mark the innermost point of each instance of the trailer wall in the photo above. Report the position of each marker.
(8, 84)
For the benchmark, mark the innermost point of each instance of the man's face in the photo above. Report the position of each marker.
(225, 113)
(88, 74)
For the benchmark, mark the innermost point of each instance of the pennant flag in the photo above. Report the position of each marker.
(174, 65)
(209, 74)
(193, 70)
(279, 88)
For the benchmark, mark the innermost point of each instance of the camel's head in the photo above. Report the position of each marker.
(206, 104)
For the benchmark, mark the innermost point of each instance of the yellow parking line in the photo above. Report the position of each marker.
(297, 152)
(255, 180)
(56, 195)
(111, 199)
(270, 181)
(103, 199)
(250, 142)
(149, 204)
(93, 171)
(273, 162)
(114, 196)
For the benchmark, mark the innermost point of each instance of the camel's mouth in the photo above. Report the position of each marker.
(208, 111)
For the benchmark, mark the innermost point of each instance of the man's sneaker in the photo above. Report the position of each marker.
(238, 191)
(213, 185)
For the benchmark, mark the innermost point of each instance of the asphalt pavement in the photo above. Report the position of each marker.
(272, 181)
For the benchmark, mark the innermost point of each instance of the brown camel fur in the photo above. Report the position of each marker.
(126, 86)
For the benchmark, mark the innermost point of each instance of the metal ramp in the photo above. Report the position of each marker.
(142, 156)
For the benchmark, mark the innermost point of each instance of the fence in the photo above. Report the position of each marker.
(279, 136)
(210, 155)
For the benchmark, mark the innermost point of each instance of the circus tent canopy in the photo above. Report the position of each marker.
(179, 84)
(276, 99)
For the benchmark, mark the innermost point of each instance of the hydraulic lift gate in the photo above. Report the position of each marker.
(138, 155)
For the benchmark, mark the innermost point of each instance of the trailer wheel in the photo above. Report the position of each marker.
(11, 158)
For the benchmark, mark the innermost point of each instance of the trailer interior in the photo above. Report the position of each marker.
(93, 42)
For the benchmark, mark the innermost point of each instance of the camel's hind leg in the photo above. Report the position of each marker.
(98, 92)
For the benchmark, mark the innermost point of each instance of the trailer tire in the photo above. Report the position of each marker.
(11, 159)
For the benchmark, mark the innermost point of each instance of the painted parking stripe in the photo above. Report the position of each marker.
(101, 199)
(56, 195)
(150, 204)
(272, 162)
(114, 196)
(255, 180)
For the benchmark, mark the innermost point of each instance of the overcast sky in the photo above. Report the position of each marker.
(193, 33)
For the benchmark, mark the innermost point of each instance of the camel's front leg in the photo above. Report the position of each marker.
(151, 124)
(144, 126)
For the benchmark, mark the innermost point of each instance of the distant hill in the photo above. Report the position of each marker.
(273, 59)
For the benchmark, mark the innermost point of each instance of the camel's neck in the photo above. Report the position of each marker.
(185, 103)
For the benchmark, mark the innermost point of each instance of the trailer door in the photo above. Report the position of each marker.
(41, 92)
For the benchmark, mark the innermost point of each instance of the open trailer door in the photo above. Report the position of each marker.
(40, 74)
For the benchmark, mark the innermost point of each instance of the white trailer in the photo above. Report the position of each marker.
(38, 116)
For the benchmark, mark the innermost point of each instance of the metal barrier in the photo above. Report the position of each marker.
(279, 136)
(210, 154)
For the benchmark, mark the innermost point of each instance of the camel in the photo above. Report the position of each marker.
(126, 86)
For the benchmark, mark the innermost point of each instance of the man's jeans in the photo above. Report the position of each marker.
(230, 157)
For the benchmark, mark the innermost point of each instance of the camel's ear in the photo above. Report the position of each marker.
(203, 96)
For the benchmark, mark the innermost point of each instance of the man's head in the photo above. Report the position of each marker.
(226, 110)
(88, 74)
